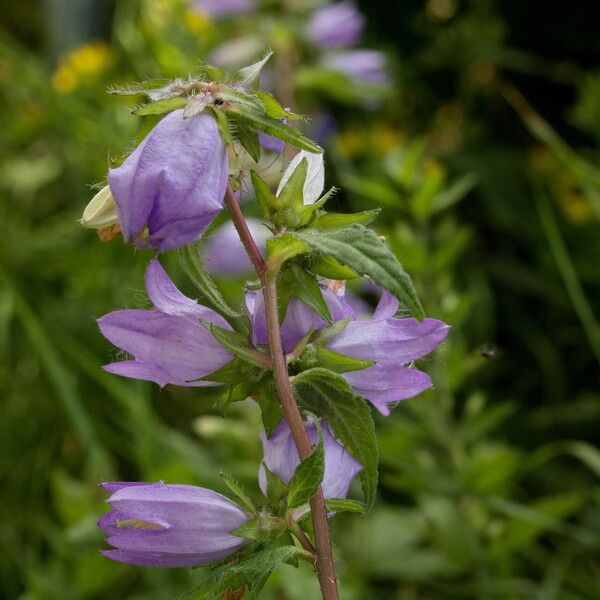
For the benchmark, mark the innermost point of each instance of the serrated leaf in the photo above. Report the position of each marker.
(248, 138)
(272, 107)
(329, 396)
(360, 248)
(330, 221)
(297, 282)
(249, 75)
(308, 475)
(290, 193)
(160, 106)
(238, 345)
(239, 493)
(259, 120)
(264, 196)
(250, 573)
(192, 265)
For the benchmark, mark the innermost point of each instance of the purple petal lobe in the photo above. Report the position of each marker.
(281, 457)
(173, 183)
(365, 65)
(339, 24)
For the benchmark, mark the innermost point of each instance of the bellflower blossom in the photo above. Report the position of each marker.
(368, 66)
(224, 252)
(168, 343)
(171, 186)
(162, 525)
(281, 457)
(339, 24)
(224, 8)
(391, 342)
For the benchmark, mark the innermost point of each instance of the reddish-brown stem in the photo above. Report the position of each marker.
(325, 567)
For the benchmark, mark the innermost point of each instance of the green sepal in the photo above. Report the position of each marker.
(250, 74)
(284, 247)
(160, 106)
(265, 198)
(235, 100)
(336, 505)
(222, 124)
(291, 196)
(308, 211)
(238, 492)
(238, 345)
(330, 221)
(328, 359)
(272, 107)
(296, 281)
(270, 406)
(257, 119)
(308, 474)
(277, 490)
(322, 336)
(329, 267)
(248, 138)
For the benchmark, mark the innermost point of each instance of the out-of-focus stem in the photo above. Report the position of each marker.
(325, 568)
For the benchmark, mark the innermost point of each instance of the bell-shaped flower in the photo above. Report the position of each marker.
(281, 457)
(368, 66)
(339, 24)
(224, 252)
(391, 342)
(168, 343)
(171, 187)
(162, 525)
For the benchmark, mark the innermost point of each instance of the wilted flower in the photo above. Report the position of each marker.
(162, 525)
(365, 65)
(168, 343)
(339, 24)
(281, 457)
(171, 186)
(224, 252)
(223, 8)
(391, 342)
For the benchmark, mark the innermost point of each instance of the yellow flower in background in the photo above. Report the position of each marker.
(196, 22)
(85, 62)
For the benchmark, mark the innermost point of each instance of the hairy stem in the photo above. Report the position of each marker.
(325, 568)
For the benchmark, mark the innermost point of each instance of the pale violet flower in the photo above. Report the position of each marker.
(339, 24)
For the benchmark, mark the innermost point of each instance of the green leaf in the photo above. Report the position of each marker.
(327, 266)
(265, 198)
(236, 100)
(239, 493)
(191, 263)
(160, 106)
(272, 107)
(270, 407)
(277, 490)
(284, 247)
(308, 475)
(344, 505)
(360, 248)
(251, 573)
(239, 346)
(328, 359)
(339, 221)
(250, 74)
(222, 123)
(329, 396)
(298, 282)
(248, 139)
(139, 88)
(259, 120)
(292, 194)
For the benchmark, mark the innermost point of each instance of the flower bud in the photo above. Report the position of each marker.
(101, 211)
(161, 525)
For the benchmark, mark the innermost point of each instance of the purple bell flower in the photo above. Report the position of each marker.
(162, 525)
(168, 343)
(171, 187)
(281, 457)
(391, 342)
(224, 252)
(368, 66)
(339, 24)
(224, 8)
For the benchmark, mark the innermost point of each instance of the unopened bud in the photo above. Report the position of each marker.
(101, 212)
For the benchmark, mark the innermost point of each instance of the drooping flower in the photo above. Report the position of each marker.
(281, 457)
(224, 253)
(171, 186)
(223, 8)
(368, 66)
(391, 342)
(168, 343)
(339, 24)
(162, 525)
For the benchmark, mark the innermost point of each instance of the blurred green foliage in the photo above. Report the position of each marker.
(485, 161)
